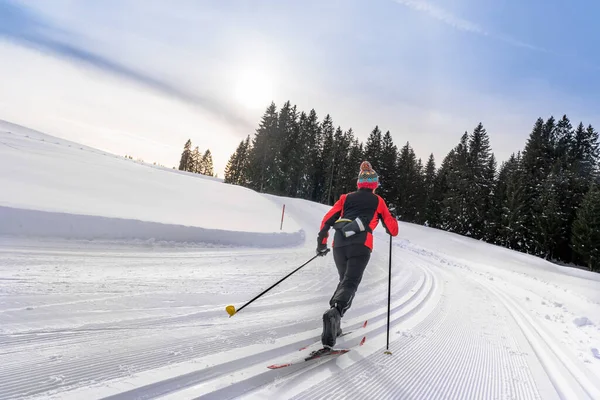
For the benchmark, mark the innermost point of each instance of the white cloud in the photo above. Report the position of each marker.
(462, 24)
(444, 16)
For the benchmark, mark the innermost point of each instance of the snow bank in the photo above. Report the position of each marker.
(24, 223)
(53, 187)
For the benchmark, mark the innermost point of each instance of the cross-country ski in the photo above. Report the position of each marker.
(323, 353)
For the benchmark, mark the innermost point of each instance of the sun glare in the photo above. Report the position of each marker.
(253, 89)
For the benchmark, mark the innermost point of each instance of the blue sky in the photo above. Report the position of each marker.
(140, 77)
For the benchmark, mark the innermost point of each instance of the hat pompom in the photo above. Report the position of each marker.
(365, 166)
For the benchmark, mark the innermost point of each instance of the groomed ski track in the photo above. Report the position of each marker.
(127, 322)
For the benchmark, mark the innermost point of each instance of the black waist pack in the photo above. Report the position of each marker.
(350, 227)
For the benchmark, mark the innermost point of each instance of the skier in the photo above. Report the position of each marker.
(354, 217)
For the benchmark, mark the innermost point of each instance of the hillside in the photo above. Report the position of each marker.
(110, 197)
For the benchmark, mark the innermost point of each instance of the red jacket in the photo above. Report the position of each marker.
(363, 204)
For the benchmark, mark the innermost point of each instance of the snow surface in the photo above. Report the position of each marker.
(107, 310)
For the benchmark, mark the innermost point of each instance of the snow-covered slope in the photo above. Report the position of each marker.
(107, 196)
(139, 320)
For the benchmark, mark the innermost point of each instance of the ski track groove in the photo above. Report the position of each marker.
(197, 377)
(326, 391)
(517, 364)
(524, 373)
(72, 302)
(17, 381)
(82, 333)
(462, 358)
(106, 367)
(265, 378)
(419, 390)
(547, 352)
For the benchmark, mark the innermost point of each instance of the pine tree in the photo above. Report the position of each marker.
(374, 148)
(409, 178)
(285, 151)
(352, 165)
(586, 152)
(490, 226)
(231, 168)
(195, 161)
(552, 218)
(345, 170)
(206, 164)
(327, 160)
(313, 150)
(440, 188)
(342, 143)
(454, 211)
(429, 190)
(186, 156)
(262, 162)
(586, 229)
(420, 193)
(509, 196)
(538, 152)
(244, 162)
(481, 175)
(563, 142)
(559, 187)
(387, 170)
(537, 163)
(298, 155)
(238, 163)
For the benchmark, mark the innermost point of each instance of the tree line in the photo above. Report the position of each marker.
(544, 200)
(194, 161)
(129, 157)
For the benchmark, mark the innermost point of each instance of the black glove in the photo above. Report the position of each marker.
(322, 249)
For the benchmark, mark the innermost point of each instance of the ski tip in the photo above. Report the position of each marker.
(276, 366)
(363, 340)
(365, 324)
(332, 353)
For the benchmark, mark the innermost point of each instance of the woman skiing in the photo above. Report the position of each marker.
(354, 217)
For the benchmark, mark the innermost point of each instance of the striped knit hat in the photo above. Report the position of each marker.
(367, 177)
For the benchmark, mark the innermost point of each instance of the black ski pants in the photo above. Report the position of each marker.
(351, 262)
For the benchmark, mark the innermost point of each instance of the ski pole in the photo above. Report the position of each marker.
(231, 308)
(389, 300)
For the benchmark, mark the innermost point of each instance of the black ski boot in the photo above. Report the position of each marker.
(331, 327)
(339, 320)
(321, 352)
